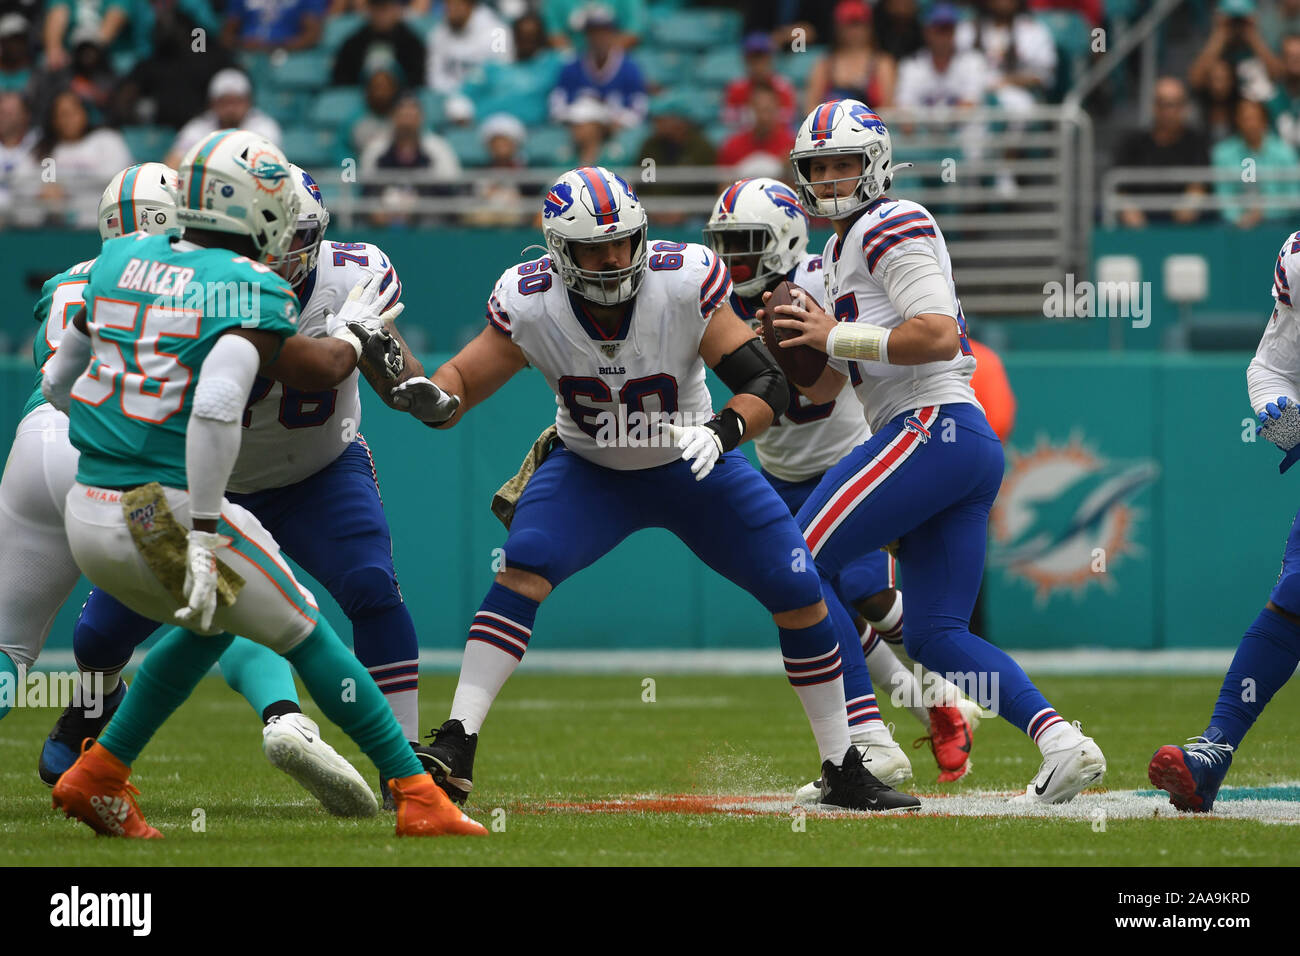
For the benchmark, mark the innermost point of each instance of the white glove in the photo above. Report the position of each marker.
(360, 310)
(425, 400)
(701, 446)
(201, 578)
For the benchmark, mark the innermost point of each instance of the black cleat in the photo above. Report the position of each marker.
(385, 795)
(63, 746)
(852, 787)
(450, 759)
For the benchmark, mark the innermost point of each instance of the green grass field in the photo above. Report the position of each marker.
(553, 742)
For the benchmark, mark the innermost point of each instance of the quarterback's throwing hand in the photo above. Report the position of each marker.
(425, 400)
(1279, 422)
(701, 446)
(201, 578)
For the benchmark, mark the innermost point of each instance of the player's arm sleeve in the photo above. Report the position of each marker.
(915, 283)
(63, 370)
(212, 439)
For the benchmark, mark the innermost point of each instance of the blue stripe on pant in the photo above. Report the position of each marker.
(936, 503)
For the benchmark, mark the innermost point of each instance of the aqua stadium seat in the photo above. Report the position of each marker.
(467, 145)
(431, 101)
(148, 144)
(529, 110)
(549, 145)
(719, 67)
(697, 29)
(660, 67)
(1070, 30)
(337, 29)
(795, 67)
(335, 106)
(306, 70)
(309, 148)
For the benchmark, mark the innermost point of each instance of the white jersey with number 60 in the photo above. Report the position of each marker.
(613, 390)
(290, 435)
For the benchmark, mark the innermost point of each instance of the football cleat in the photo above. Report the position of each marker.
(851, 786)
(95, 791)
(386, 801)
(1074, 763)
(881, 754)
(950, 740)
(1191, 774)
(423, 809)
(63, 746)
(292, 742)
(450, 759)
(972, 711)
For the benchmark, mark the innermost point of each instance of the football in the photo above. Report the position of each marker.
(802, 364)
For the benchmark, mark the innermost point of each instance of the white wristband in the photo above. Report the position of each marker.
(348, 336)
(858, 341)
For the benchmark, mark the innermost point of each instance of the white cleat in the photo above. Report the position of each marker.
(292, 742)
(1072, 764)
(881, 756)
(971, 711)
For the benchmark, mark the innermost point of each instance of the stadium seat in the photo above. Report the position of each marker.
(467, 144)
(719, 68)
(432, 103)
(286, 107)
(795, 67)
(1071, 31)
(306, 70)
(308, 147)
(529, 110)
(660, 67)
(337, 29)
(335, 106)
(697, 29)
(549, 146)
(148, 143)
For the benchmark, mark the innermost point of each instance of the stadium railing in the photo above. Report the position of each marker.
(1118, 181)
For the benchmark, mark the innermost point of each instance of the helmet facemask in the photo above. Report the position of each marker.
(599, 286)
(868, 185)
(304, 251)
(749, 252)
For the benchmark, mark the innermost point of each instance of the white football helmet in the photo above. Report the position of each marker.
(760, 232)
(843, 127)
(139, 197)
(313, 219)
(591, 205)
(236, 181)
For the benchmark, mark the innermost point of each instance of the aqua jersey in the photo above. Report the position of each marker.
(156, 305)
(59, 301)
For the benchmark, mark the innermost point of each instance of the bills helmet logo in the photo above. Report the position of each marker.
(863, 115)
(311, 187)
(557, 201)
(784, 199)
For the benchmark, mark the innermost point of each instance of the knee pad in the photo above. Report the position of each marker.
(369, 589)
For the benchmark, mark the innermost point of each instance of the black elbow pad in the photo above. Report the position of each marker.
(751, 371)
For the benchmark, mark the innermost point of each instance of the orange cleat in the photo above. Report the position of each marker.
(95, 791)
(423, 809)
(950, 739)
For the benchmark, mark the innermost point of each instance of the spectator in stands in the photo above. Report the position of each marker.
(283, 25)
(589, 131)
(1171, 141)
(383, 37)
(854, 68)
(759, 68)
(432, 164)
(1219, 100)
(15, 52)
(940, 75)
(809, 21)
(1235, 38)
(566, 21)
(102, 20)
(170, 86)
(602, 72)
(675, 140)
(898, 28)
(383, 87)
(468, 35)
(230, 103)
(84, 160)
(1090, 10)
(1284, 107)
(18, 171)
(1255, 185)
(1279, 20)
(1020, 51)
(765, 132)
(503, 135)
(530, 37)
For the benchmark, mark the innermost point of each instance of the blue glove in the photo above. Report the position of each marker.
(1280, 424)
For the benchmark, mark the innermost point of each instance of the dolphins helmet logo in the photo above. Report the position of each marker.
(1061, 509)
(268, 173)
(557, 201)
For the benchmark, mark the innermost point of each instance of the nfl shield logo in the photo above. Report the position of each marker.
(610, 348)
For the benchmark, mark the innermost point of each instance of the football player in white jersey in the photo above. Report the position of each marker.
(622, 327)
(1269, 651)
(302, 456)
(760, 232)
(932, 468)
